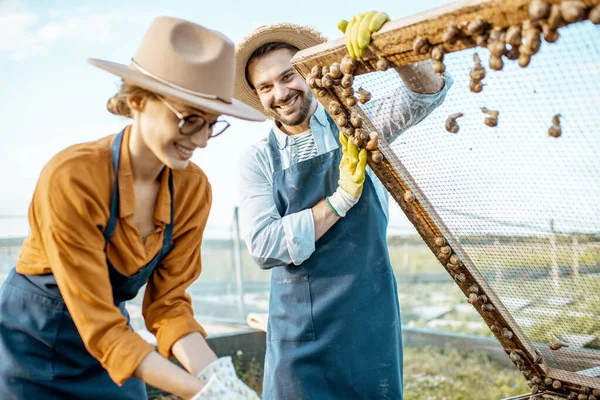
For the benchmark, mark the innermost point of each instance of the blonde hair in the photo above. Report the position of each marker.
(118, 103)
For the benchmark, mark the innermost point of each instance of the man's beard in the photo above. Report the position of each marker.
(307, 100)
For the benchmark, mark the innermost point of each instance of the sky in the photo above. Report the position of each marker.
(50, 97)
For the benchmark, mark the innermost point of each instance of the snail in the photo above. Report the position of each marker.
(454, 259)
(451, 125)
(556, 343)
(341, 120)
(335, 70)
(555, 130)
(477, 74)
(594, 17)
(382, 64)
(363, 96)
(477, 26)
(355, 120)
(351, 101)
(377, 157)
(507, 334)
(440, 241)
(452, 33)
(322, 93)
(492, 119)
(538, 9)
(409, 197)
(421, 45)
(316, 71)
(572, 10)
(373, 141)
(347, 81)
(348, 65)
(327, 81)
(335, 108)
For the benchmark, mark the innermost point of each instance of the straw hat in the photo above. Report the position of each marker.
(187, 62)
(301, 37)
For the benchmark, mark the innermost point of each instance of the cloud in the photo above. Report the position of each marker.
(26, 34)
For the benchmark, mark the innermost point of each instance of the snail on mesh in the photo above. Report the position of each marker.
(492, 119)
(477, 74)
(437, 55)
(451, 125)
(341, 120)
(363, 96)
(555, 130)
(440, 241)
(556, 343)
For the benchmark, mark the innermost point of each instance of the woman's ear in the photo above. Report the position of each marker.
(137, 103)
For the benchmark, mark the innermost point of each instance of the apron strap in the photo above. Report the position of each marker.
(274, 149)
(114, 204)
(168, 238)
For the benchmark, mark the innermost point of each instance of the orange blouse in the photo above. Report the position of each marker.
(68, 213)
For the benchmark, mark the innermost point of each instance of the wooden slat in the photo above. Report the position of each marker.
(395, 40)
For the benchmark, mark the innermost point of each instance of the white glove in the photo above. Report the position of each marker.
(223, 383)
(341, 202)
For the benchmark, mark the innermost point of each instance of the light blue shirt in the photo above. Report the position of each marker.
(273, 240)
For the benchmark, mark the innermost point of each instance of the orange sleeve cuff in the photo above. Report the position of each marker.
(125, 355)
(173, 330)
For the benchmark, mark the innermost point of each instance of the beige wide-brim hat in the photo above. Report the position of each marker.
(187, 62)
(299, 36)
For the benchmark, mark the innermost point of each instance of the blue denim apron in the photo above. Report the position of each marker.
(334, 321)
(42, 355)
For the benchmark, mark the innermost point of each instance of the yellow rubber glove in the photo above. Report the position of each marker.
(352, 168)
(359, 30)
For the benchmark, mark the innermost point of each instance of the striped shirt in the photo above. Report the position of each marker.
(305, 146)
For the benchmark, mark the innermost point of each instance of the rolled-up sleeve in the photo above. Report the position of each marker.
(167, 308)
(395, 112)
(272, 240)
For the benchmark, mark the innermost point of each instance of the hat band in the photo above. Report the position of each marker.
(174, 86)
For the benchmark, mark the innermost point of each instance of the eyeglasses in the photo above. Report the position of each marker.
(194, 123)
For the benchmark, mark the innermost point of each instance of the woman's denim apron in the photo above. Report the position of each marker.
(42, 355)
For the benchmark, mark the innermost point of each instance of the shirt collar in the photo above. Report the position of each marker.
(283, 139)
(162, 211)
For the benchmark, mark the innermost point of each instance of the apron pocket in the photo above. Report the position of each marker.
(290, 309)
(29, 324)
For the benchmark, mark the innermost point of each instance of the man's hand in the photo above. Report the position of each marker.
(359, 30)
(352, 168)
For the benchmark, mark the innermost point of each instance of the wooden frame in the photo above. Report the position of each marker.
(398, 44)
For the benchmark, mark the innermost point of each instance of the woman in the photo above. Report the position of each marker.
(108, 217)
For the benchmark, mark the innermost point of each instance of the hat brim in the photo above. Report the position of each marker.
(301, 37)
(236, 109)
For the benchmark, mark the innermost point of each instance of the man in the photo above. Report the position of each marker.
(310, 214)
